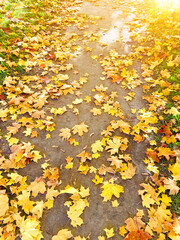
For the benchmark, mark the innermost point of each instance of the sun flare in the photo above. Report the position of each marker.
(169, 4)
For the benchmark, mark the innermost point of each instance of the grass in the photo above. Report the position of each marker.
(14, 17)
(176, 202)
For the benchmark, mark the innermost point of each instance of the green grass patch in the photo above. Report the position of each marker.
(176, 202)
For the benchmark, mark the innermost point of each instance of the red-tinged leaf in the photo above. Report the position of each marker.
(116, 79)
(138, 235)
(166, 130)
(2, 97)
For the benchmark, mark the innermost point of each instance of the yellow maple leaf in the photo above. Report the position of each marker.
(110, 189)
(122, 230)
(129, 171)
(115, 161)
(97, 146)
(165, 73)
(166, 199)
(174, 111)
(114, 145)
(175, 169)
(97, 179)
(87, 99)
(76, 210)
(63, 234)
(109, 232)
(38, 209)
(30, 229)
(69, 165)
(84, 192)
(69, 189)
(65, 133)
(13, 141)
(83, 169)
(62, 77)
(24, 201)
(147, 200)
(52, 193)
(28, 131)
(48, 136)
(37, 186)
(77, 101)
(96, 111)
(80, 129)
(4, 202)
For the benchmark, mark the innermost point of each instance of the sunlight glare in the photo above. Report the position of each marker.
(169, 4)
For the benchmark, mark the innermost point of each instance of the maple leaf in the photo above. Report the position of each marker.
(116, 79)
(159, 216)
(174, 111)
(4, 201)
(76, 210)
(165, 73)
(147, 73)
(128, 172)
(115, 161)
(41, 101)
(122, 230)
(124, 126)
(63, 234)
(96, 111)
(175, 169)
(83, 168)
(134, 224)
(166, 152)
(52, 193)
(80, 129)
(114, 145)
(14, 128)
(103, 169)
(110, 189)
(38, 209)
(147, 200)
(171, 185)
(30, 229)
(166, 129)
(38, 114)
(97, 146)
(84, 156)
(97, 179)
(109, 232)
(24, 202)
(65, 133)
(37, 186)
(84, 192)
(138, 235)
(107, 132)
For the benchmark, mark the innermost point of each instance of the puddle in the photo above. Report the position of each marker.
(111, 36)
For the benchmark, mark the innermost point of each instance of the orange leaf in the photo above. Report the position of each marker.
(138, 235)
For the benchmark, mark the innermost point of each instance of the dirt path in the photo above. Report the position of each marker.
(99, 215)
(102, 38)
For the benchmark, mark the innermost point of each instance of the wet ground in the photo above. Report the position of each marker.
(115, 34)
